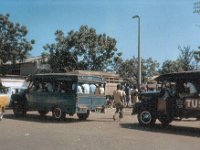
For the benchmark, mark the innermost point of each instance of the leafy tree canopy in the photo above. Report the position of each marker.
(13, 44)
(83, 49)
(128, 69)
(183, 62)
(185, 58)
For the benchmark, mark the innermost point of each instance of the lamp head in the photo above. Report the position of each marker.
(136, 16)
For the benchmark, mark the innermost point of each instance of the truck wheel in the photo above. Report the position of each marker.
(146, 118)
(165, 120)
(83, 116)
(43, 112)
(18, 110)
(57, 113)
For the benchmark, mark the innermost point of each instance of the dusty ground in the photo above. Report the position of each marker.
(99, 132)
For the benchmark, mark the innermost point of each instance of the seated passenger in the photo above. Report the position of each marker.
(97, 90)
(165, 93)
(92, 88)
(49, 87)
(79, 89)
(191, 89)
(86, 88)
(101, 89)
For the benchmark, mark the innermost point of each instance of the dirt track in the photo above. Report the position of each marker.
(98, 132)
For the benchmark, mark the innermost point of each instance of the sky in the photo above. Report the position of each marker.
(165, 24)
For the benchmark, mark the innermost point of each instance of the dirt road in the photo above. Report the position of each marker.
(99, 132)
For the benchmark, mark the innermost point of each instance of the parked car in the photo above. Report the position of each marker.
(60, 93)
(3, 100)
(174, 100)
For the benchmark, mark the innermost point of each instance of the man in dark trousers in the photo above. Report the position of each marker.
(127, 92)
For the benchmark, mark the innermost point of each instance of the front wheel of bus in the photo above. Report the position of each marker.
(83, 116)
(19, 110)
(57, 113)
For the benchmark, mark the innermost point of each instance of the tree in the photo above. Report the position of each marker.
(83, 49)
(170, 66)
(128, 69)
(150, 67)
(13, 44)
(185, 58)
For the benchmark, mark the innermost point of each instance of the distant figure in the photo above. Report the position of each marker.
(134, 95)
(127, 93)
(118, 101)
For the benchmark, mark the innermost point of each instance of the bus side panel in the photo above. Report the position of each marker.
(67, 102)
(48, 100)
(84, 101)
(98, 101)
(91, 101)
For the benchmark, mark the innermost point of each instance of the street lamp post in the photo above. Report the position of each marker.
(139, 57)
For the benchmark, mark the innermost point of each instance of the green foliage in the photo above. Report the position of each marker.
(197, 55)
(13, 44)
(128, 69)
(185, 58)
(150, 67)
(83, 49)
(170, 66)
(183, 62)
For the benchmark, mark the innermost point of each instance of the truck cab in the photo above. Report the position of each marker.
(174, 100)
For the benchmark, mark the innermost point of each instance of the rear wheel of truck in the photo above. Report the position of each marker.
(165, 120)
(146, 118)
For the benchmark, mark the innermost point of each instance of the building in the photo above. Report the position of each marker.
(33, 64)
(29, 66)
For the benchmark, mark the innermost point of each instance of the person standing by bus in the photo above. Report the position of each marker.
(118, 101)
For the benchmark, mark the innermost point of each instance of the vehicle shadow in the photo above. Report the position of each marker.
(171, 129)
(45, 119)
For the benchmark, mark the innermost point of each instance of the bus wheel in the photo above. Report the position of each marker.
(19, 110)
(57, 113)
(83, 116)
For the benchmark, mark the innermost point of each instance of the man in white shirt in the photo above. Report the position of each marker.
(92, 88)
(86, 88)
(192, 89)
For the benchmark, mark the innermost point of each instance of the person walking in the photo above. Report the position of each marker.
(127, 94)
(134, 95)
(118, 101)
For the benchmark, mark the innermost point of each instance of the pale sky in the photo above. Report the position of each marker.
(165, 24)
